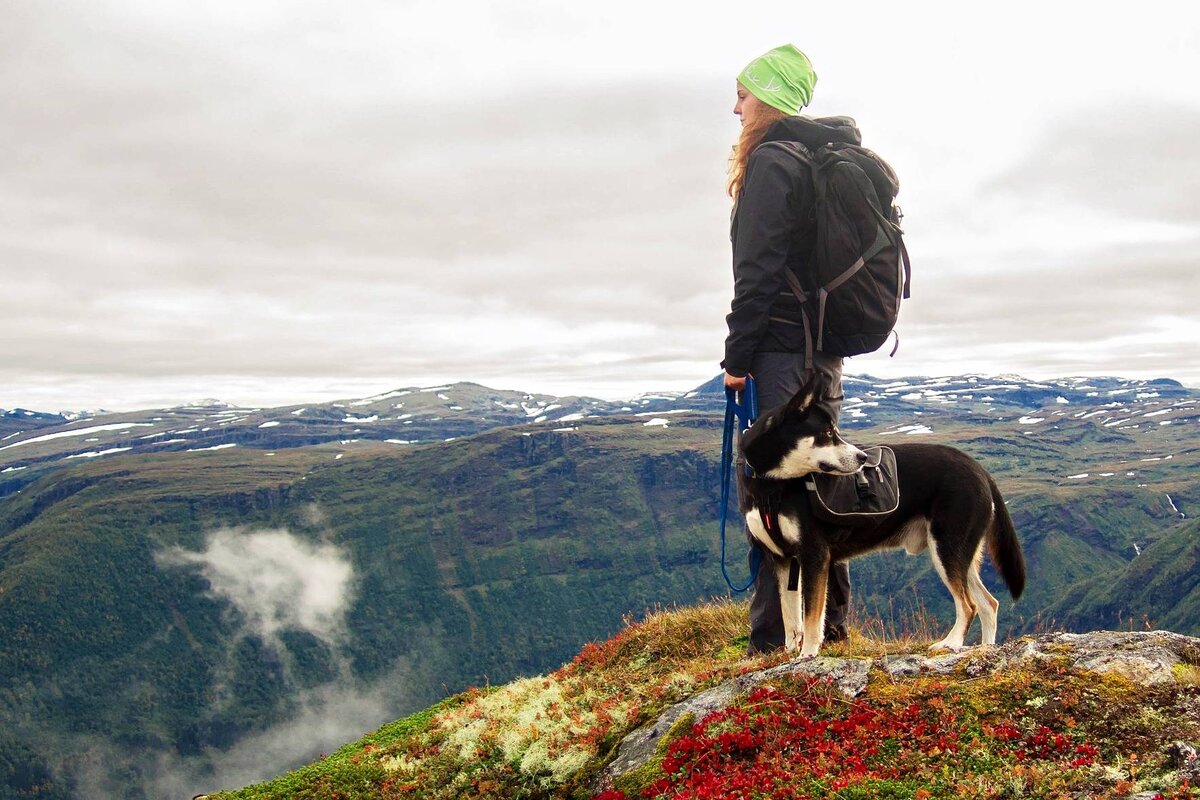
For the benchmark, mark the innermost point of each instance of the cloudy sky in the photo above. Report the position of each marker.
(270, 202)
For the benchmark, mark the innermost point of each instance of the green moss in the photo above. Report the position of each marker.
(351, 771)
(1187, 674)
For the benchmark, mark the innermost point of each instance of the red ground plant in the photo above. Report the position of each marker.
(810, 742)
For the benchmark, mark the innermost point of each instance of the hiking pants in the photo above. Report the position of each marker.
(777, 377)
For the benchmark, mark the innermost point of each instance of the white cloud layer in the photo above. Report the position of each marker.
(277, 201)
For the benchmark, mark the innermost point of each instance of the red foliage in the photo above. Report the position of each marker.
(815, 743)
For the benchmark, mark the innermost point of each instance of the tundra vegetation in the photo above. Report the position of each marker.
(1042, 729)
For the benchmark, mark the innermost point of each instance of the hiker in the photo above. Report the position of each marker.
(772, 231)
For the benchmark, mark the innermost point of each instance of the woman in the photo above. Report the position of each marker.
(772, 232)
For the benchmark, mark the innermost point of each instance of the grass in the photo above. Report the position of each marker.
(1029, 731)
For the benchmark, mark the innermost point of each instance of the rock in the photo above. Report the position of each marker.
(637, 748)
(1147, 657)
(1183, 757)
(849, 675)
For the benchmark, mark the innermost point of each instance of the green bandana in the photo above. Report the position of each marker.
(783, 78)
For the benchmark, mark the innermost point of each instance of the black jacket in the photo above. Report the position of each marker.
(772, 230)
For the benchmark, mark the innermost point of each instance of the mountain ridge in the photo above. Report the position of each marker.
(429, 414)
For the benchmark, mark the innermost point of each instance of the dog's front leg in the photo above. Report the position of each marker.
(814, 580)
(790, 605)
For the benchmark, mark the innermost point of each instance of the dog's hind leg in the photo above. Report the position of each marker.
(984, 602)
(956, 581)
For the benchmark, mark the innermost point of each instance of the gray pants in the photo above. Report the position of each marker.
(777, 377)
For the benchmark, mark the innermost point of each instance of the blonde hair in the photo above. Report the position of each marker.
(752, 134)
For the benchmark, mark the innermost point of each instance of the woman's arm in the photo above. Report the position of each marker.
(766, 226)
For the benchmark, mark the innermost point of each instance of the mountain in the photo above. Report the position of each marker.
(205, 596)
(36, 440)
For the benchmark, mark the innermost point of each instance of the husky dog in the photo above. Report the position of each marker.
(948, 505)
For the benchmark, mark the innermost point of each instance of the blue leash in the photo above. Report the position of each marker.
(746, 412)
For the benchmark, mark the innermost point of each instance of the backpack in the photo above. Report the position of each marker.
(864, 498)
(858, 272)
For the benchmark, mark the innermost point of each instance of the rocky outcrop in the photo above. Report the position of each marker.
(1147, 658)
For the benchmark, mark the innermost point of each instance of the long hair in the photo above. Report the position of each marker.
(752, 134)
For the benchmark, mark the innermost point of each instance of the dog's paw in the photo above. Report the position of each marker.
(947, 647)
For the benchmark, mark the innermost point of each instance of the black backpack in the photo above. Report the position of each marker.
(858, 272)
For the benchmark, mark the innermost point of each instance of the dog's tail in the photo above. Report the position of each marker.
(1004, 547)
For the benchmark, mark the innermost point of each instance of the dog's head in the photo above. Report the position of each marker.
(799, 437)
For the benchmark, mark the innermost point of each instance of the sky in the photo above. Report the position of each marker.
(273, 202)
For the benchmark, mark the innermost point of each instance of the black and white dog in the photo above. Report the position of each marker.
(948, 505)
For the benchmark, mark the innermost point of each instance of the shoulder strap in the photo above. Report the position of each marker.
(802, 297)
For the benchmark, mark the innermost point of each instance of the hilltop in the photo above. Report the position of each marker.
(669, 708)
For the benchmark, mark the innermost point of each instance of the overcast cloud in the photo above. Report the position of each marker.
(270, 202)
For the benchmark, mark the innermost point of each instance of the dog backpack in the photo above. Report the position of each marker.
(858, 272)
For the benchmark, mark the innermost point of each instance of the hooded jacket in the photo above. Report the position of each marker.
(773, 230)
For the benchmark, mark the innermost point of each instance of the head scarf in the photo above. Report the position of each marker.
(783, 78)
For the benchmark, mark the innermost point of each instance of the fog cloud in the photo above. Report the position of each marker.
(275, 580)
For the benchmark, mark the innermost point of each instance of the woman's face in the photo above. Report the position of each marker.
(747, 105)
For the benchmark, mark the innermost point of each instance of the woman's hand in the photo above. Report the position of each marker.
(734, 382)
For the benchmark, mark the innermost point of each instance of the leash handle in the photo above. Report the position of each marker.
(744, 412)
(747, 409)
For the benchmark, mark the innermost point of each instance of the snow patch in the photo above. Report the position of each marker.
(366, 401)
(95, 453)
(909, 430)
(116, 426)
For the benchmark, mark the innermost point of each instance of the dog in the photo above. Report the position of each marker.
(948, 505)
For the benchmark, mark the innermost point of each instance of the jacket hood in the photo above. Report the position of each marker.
(812, 132)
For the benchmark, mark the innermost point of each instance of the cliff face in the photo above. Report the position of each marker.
(669, 708)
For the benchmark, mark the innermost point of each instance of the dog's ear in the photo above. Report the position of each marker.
(803, 400)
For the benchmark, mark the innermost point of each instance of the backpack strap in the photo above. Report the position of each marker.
(802, 296)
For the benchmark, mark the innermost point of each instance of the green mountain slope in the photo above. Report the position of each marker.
(152, 634)
(1161, 588)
